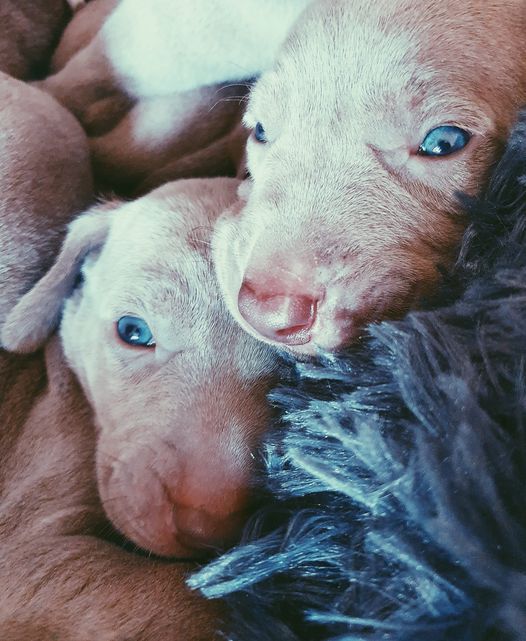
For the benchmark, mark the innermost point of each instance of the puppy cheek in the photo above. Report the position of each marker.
(74, 333)
(256, 153)
(132, 495)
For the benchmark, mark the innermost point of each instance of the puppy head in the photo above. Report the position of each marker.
(374, 119)
(178, 389)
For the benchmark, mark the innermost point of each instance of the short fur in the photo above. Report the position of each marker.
(178, 423)
(401, 467)
(45, 179)
(29, 30)
(340, 209)
(168, 62)
(61, 574)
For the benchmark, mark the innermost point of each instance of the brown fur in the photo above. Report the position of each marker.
(60, 579)
(29, 29)
(61, 576)
(178, 422)
(45, 179)
(185, 50)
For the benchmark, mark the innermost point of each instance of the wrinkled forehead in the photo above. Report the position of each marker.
(154, 262)
(369, 58)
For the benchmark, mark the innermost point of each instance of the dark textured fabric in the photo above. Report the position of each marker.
(399, 471)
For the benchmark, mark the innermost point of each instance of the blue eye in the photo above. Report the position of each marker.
(259, 133)
(135, 331)
(444, 140)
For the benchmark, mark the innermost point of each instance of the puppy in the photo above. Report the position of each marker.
(45, 179)
(139, 137)
(177, 388)
(375, 117)
(174, 47)
(61, 576)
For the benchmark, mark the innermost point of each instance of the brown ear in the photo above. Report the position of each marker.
(37, 313)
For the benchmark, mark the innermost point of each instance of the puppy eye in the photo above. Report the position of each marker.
(259, 133)
(135, 331)
(444, 140)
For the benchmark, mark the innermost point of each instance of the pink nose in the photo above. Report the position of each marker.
(286, 318)
(199, 530)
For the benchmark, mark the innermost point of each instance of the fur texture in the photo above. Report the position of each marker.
(165, 64)
(400, 469)
(29, 30)
(178, 421)
(345, 220)
(45, 179)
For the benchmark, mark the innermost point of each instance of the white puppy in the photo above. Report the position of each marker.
(174, 46)
(144, 83)
(178, 389)
(376, 116)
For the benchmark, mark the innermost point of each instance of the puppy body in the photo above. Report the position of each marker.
(60, 579)
(175, 47)
(157, 139)
(346, 221)
(45, 178)
(178, 423)
(144, 83)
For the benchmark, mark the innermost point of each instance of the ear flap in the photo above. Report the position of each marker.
(37, 313)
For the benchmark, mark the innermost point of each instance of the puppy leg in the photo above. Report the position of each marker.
(223, 157)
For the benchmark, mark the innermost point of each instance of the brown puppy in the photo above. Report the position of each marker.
(60, 579)
(375, 117)
(158, 138)
(29, 29)
(45, 179)
(174, 55)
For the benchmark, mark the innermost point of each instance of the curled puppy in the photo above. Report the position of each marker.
(173, 47)
(177, 388)
(374, 118)
(141, 139)
(45, 179)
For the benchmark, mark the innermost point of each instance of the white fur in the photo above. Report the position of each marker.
(177, 45)
(340, 208)
(178, 423)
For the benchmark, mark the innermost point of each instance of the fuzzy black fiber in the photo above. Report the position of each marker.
(399, 472)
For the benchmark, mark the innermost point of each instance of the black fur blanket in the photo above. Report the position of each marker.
(399, 471)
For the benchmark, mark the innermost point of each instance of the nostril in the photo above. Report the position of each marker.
(286, 318)
(199, 530)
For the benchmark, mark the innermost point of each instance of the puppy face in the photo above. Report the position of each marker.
(374, 119)
(178, 389)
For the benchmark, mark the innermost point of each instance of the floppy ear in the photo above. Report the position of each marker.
(37, 313)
